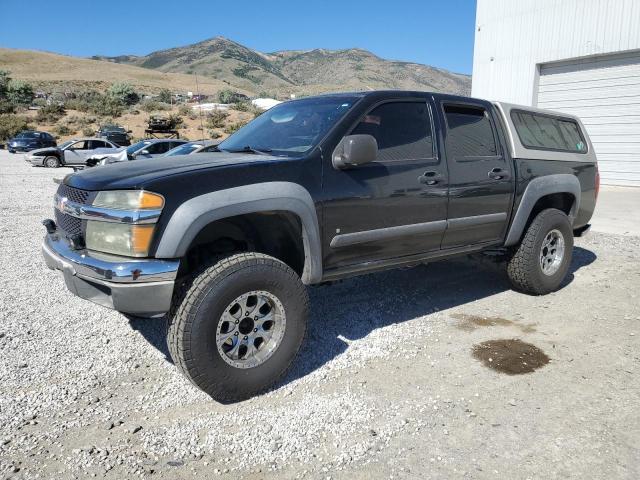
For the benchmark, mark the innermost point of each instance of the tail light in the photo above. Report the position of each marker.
(597, 181)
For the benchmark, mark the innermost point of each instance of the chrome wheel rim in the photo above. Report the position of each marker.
(552, 252)
(251, 329)
(50, 162)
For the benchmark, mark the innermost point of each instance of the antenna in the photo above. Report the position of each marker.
(199, 105)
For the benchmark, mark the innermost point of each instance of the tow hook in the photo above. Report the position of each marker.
(50, 225)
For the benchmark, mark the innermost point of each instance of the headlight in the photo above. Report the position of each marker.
(130, 235)
(119, 238)
(128, 200)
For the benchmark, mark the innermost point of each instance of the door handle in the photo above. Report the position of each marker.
(498, 174)
(430, 178)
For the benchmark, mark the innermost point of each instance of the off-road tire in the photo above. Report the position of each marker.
(51, 162)
(524, 268)
(197, 308)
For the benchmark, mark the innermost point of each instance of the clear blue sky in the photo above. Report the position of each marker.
(438, 33)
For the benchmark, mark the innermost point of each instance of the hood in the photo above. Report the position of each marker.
(43, 151)
(135, 174)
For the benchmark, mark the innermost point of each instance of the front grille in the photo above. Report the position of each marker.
(73, 194)
(70, 225)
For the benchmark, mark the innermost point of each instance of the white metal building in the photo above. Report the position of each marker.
(576, 56)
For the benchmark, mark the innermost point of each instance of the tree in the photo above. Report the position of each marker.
(19, 92)
(4, 83)
(124, 93)
(164, 95)
(11, 124)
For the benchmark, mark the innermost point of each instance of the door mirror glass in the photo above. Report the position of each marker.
(143, 152)
(355, 150)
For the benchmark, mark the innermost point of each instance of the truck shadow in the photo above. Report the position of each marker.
(352, 309)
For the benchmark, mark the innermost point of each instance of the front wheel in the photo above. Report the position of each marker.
(541, 262)
(237, 326)
(51, 162)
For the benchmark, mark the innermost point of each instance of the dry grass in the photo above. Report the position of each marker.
(46, 70)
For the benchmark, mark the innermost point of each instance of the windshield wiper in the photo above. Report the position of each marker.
(250, 149)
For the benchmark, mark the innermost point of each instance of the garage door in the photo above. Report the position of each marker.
(605, 93)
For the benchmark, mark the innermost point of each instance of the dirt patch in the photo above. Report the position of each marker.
(469, 323)
(512, 356)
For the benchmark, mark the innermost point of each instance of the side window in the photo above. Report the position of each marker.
(157, 148)
(545, 132)
(81, 145)
(469, 132)
(402, 130)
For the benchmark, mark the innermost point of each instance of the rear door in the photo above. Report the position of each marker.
(481, 177)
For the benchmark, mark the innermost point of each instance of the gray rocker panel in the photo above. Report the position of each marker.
(192, 216)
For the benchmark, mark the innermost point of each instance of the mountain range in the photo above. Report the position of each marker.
(279, 74)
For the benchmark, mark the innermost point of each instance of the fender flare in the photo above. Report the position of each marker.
(195, 214)
(536, 189)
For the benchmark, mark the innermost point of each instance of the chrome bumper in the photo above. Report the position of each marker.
(135, 286)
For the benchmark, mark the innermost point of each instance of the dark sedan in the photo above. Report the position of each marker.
(30, 140)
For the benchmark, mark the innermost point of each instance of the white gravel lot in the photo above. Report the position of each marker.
(385, 387)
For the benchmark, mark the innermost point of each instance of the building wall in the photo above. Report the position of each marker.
(513, 37)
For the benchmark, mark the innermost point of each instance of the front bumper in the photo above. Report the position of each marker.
(136, 286)
(35, 161)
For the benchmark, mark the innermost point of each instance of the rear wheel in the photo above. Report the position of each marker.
(236, 327)
(51, 162)
(542, 260)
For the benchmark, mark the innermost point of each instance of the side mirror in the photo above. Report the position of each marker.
(129, 131)
(355, 150)
(143, 152)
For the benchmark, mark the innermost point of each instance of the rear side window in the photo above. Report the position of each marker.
(469, 132)
(546, 132)
(402, 130)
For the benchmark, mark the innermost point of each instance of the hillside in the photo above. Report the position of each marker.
(51, 71)
(300, 72)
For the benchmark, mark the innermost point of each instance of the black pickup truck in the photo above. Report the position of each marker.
(311, 191)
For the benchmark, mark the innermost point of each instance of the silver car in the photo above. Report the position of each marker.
(197, 146)
(143, 149)
(71, 153)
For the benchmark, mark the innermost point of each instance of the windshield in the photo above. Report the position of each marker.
(26, 135)
(66, 144)
(113, 129)
(184, 149)
(136, 146)
(290, 128)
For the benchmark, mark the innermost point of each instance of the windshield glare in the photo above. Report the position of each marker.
(136, 146)
(26, 135)
(290, 128)
(66, 144)
(185, 149)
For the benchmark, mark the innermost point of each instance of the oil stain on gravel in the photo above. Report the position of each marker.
(513, 357)
(469, 323)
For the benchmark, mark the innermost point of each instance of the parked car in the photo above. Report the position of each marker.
(30, 140)
(115, 134)
(312, 191)
(188, 148)
(70, 153)
(143, 149)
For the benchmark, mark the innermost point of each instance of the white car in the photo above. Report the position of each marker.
(71, 153)
(143, 149)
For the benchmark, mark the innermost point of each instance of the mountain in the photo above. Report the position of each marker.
(301, 72)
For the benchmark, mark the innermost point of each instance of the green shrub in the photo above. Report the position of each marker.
(234, 127)
(19, 92)
(50, 113)
(153, 106)
(185, 110)
(229, 96)
(63, 130)
(6, 106)
(165, 96)
(213, 134)
(11, 124)
(88, 132)
(107, 107)
(123, 92)
(216, 119)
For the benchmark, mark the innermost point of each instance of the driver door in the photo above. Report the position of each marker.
(76, 153)
(396, 205)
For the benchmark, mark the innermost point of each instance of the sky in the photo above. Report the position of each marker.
(437, 33)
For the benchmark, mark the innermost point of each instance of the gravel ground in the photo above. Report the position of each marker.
(390, 383)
